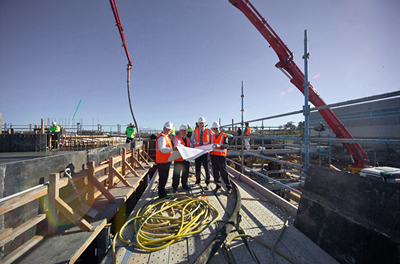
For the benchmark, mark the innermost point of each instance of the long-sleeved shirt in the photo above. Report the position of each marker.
(162, 143)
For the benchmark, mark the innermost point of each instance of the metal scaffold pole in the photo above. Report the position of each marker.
(306, 110)
(242, 128)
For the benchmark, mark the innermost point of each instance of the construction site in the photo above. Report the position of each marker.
(274, 161)
(322, 190)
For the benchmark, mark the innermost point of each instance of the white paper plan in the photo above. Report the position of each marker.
(190, 154)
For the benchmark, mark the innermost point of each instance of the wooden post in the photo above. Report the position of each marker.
(52, 213)
(123, 161)
(91, 175)
(56, 204)
(49, 143)
(110, 172)
(42, 126)
(132, 160)
(147, 149)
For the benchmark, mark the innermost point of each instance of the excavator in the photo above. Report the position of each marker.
(290, 69)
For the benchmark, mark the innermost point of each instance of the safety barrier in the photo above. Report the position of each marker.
(100, 179)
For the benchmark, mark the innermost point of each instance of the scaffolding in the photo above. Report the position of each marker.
(296, 147)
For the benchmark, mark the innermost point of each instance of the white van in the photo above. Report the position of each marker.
(388, 174)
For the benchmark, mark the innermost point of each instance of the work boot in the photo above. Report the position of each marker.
(187, 188)
(162, 195)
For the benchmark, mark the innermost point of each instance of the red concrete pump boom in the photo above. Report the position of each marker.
(287, 65)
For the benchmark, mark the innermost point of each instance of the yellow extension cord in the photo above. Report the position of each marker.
(162, 222)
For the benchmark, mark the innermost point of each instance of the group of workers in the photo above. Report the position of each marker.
(168, 141)
(199, 137)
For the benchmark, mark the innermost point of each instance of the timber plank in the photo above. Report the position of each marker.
(5, 232)
(22, 228)
(14, 201)
(22, 249)
(61, 248)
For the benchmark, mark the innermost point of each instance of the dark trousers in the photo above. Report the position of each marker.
(219, 170)
(55, 138)
(163, 170)
(129, 140)
(203, 159)
(180, 166)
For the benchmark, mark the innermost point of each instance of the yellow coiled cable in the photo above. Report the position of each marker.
(162, 222)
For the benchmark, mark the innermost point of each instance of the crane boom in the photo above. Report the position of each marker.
(287, 65)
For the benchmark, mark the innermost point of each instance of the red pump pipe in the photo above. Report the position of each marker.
(121, 30)
(297, 78)
(121, 33)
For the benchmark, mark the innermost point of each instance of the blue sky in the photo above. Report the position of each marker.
(189, 58)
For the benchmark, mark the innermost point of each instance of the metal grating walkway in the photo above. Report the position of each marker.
(259, 219)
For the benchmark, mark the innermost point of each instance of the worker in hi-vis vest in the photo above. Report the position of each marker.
(247, 132)
(189, 131)
(55, 134)
(218, 158)
(200, 137)
(172, 133)
(164, 149)
(181, 165)
(130, 133)
(55, 128)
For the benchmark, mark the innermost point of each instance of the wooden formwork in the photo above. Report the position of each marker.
(105, 187)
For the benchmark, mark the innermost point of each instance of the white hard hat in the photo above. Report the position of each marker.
(215, 125)
(169, 125)
(183, 127)
(54, 123)
(201, 120)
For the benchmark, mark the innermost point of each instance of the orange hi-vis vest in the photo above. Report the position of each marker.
(206, 136)
(219, 140)
(162, 157)
(248, 131)
(183, 142)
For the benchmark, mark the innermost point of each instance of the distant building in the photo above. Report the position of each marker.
(372, 120)
(379, 119)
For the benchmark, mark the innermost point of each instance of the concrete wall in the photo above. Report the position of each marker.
(354, 219)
